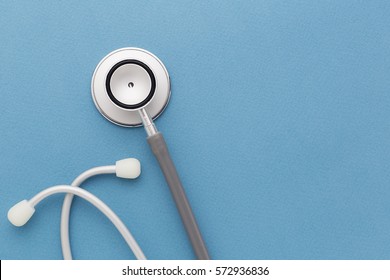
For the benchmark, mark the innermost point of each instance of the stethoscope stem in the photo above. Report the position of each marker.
(148, 123)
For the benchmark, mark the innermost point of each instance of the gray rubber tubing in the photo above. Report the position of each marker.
(160, 150)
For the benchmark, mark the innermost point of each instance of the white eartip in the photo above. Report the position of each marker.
(129, 168)
(20, 213)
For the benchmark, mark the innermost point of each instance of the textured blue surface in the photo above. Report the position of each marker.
(279, 124)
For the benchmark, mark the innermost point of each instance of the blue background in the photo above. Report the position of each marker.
(279, 124)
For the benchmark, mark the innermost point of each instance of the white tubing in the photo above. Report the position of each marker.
(98, 204)
(65, 242)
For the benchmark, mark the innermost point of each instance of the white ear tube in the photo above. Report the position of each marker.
(20, 213)
(129, 168)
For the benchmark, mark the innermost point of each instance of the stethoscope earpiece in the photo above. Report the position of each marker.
(128, 80)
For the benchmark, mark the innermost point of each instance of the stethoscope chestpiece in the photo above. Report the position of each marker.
(127, 80)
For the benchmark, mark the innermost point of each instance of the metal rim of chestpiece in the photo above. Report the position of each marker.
(127, 80)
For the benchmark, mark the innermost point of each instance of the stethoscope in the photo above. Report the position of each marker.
(130, 87)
